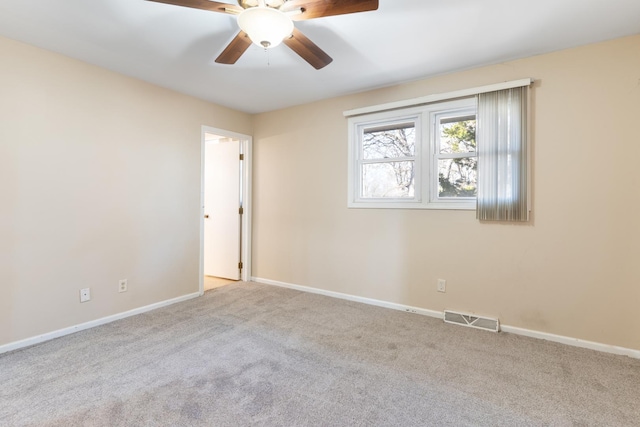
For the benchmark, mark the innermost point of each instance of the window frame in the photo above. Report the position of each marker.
(456, 111)
(377, 122)
(426, 170)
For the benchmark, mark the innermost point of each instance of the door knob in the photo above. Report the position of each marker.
(206, 216)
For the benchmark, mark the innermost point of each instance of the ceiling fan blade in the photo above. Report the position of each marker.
(235, 49)
(319, 8)
(212, 6)
(307, 49)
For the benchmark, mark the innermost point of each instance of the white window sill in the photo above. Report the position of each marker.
(467, 206)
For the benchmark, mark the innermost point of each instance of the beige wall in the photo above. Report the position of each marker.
(572, 271)
(99, 181)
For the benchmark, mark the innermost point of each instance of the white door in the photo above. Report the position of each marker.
(222, 209)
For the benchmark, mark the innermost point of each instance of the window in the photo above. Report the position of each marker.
(388, 159)
(421, 153)
(455, 158)
(421, 158)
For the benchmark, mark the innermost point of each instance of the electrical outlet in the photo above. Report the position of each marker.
(122, 285)
(85, 294)
(442, 285)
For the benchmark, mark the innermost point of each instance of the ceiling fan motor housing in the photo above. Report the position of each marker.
(255, 3)
(265, 26)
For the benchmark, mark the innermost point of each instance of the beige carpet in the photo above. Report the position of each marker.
(250, 354)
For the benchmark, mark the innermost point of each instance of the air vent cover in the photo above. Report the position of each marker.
(472, 321)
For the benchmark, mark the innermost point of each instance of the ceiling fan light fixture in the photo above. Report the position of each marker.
(266, 27)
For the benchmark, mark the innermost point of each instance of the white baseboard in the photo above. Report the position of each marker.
(575, 342)
(370, 301)
(93, 323)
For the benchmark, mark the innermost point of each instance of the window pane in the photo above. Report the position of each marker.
(457, 177)
(458, 135)
(393, 180)
(388, 142)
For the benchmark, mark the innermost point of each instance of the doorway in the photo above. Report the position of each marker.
(225, 235)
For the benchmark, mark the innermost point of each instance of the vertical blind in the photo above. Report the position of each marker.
(502, 155)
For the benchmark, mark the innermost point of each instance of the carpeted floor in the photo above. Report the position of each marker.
(251, 354)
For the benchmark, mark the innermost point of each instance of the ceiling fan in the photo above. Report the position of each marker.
(267, 23)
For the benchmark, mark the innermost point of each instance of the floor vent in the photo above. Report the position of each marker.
(472, 321)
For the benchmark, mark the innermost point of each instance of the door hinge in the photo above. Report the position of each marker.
(240, 266)
(241, 211)
(241, 156)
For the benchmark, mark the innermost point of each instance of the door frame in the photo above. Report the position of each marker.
(246, 143)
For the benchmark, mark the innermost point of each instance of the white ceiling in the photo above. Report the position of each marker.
(403, 40)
